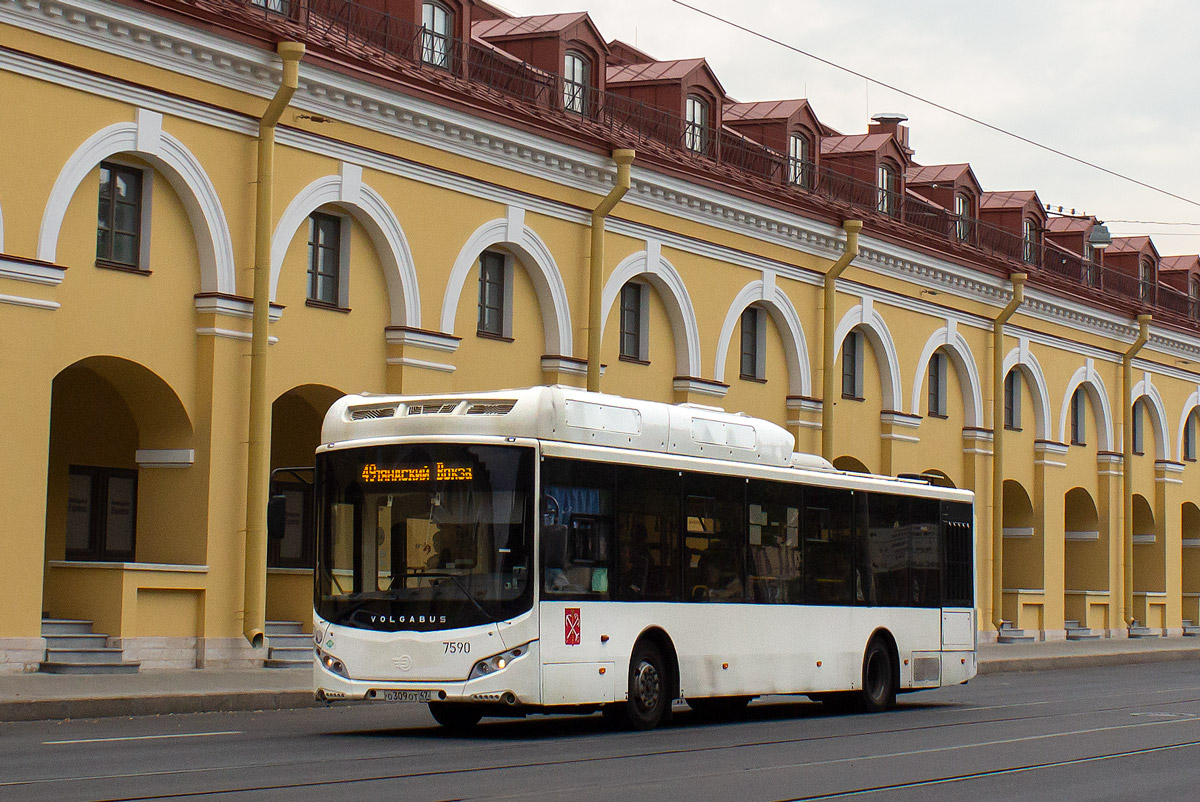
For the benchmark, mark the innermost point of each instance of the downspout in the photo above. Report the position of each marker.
(1127, 461)
(1018, 295)
(623, 158)
(828, 312)
(258, 452)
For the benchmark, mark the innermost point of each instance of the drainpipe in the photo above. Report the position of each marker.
(623, 158)
(828, 310)
(258, 456)
(1018, 295)
(1127, 461)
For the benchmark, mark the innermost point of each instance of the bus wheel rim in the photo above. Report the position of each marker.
(648, 686)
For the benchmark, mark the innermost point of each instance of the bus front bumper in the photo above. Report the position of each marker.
(516, 685)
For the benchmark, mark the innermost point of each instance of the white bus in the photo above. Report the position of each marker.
(551, 550)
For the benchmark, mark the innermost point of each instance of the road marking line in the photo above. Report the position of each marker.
(140, 738)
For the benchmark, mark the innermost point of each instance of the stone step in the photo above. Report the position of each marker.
(102, 655)
(299, 640)
(49, 667)
(1191, 630)
(1079, 633)
(292, 653)
(65, 626)
(273, 663)
(1144, 632)
(1071, 624)
(1008, 635)
(89, 641)
(283, 628)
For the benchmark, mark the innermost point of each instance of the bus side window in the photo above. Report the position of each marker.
(647, 557)
(776, 558)
(828, 547)
(576, 529)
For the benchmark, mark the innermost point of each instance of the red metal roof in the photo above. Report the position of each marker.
(765, 109)
(1131, 245)
(654, 71)
(853, 143)
(1013, 199)
(1059, 224)
(935, 173)
(1190, 263)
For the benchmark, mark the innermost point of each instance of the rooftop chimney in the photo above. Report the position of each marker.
(890, 123)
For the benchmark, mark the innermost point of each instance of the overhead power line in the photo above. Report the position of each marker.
(935, 104)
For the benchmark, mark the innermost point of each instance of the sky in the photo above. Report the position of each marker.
(1112, 82)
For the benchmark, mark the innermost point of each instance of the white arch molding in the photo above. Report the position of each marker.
(662, 275)
(170, 157)
(1087, 378)
(511, 233)
(955, 345)
(1191, 403)
(866, 317)
(347, 191)
(1031, 369)
(770, 297)
(1158, 412)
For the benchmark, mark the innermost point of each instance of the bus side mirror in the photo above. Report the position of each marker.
(276, 517)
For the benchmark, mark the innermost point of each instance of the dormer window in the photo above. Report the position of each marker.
(437, 22)
(695, 132)
(800, 161)
(1146, 280)
(1194, 298)
(1029, 240)
(576, 75)
(962, 217)
(888, 186)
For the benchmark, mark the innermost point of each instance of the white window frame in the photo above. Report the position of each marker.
(696, 124)
(1138, 425)
(435, 40)
(937, 384)
(1029, 240)
(343, 266)
(962, 216)
(799, 156)
(1146, 279)
(1012, 400)
(506, 302)
(577, 77)
(887, 185)
(146, 204)
(1189, 437)
(853, 346)
(1079, 417)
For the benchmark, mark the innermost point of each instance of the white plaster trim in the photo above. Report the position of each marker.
(421, 363)
(900, 419)
(1168, 480)
(979, 435)
(539, 265)
(1097, 393)
(178, 165)
(231, 334)
(804, 424)
(690, 385)
(956, 347)
(791, 332)
(1049, 462)
(1191, 543)
(1035, 379)
(1047, 447)
(867, 317)
(1158, 412)
(662, 275)
(571, 367)
(32, 303)
(1109, 459)
(434, 341)
(1082, 535)
(152, 567)
(1168, 466)
(1143, 540)
(348, 192)
(233, 307)
(904, 438)
(164, 457)
(1018, 532)
(1191, 403)
(983, 452)
(806, 404)
(1095, 593)
(50, 275)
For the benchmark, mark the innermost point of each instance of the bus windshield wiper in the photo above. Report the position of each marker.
(465, 591)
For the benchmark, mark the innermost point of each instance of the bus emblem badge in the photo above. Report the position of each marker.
(572, 626)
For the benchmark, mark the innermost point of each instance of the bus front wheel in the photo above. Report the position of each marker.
(878, 678)
(455, 716)
(649, 688)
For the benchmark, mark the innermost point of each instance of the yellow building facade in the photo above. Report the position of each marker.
(126, 359)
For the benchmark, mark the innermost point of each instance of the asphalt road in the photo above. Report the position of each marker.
(1126, 732)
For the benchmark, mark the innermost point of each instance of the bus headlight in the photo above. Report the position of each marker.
(496, 662)
(332, 664)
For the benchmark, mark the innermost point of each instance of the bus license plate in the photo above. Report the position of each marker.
(407, 696)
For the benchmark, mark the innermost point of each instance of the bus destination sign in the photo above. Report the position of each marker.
(439, 472)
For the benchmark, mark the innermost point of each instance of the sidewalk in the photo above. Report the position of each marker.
(30, 697)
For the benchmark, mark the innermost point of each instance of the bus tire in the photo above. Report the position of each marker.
(649, 689)
(455, 717)
(878, 678)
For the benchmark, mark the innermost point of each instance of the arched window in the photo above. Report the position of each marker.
(800, 160)
(1146, 280)
(753, 345)
(1078, 417)
(1194, 297)
(576, 82)
(937, 385)
(1012, 400)
(634, 345)
(1029, 240)
(888, 187)
(962, 216)
(852, 367)
(437, 26)
(1138, 425)
(1189, 437)
(695, 132)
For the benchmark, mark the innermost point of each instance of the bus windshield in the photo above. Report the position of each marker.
(424, 537)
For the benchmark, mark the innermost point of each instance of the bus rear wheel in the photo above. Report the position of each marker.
(878, 678)
(457, 717)
(649, 688)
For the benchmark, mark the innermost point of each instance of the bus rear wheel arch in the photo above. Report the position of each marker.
(880, 674)
(652, 685)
